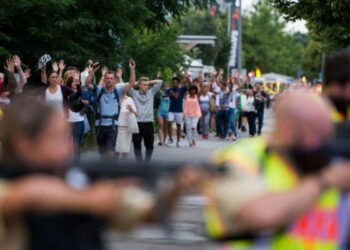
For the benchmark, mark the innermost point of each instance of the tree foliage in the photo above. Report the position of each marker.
(327, 20)
(267, 45)
(312, 60)
(80, 29)
(202, 23)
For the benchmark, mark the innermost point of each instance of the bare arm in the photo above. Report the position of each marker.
(43, 75)
(91, 75)
(23, 79)
(61, 66)
(130, 85)
(104, 71)
(10, 68)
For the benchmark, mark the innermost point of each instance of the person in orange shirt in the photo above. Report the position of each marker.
(192, 113)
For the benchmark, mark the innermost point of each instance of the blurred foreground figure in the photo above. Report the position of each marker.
(42, 211)
(276, 194)
(337, 82)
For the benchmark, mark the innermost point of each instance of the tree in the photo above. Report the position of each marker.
(80, 29)
(267, 45)
(202, 23)
(327, 20)
(153, 51)
(312, 60)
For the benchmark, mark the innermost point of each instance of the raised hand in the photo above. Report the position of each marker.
(104, 71)
(221, 72)
(55, 66)
(174, 74)
(159, 74)
(61, 65)
(95, 66)
(119, 72)
(27, 73)
(16, 61)
(132, 64)
(10, 65)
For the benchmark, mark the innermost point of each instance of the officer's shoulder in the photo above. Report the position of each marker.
(247, 147)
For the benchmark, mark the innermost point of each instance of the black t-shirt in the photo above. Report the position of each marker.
(259, 102)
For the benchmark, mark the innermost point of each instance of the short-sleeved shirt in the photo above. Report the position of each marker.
(108, 105)
(176, 101)
(144, 102)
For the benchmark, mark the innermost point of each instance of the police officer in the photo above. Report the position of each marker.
(271, 198)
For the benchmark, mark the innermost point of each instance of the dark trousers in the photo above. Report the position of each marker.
(106, 138)
(251, 116)
(222, 122)
(260, 116)
(147, 134)
(77, 133)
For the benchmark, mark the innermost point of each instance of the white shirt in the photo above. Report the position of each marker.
(250, 104)
(56, 99)
(233, 97)
(124, 112)
(75, 116)
(216, 88)
(83, 76)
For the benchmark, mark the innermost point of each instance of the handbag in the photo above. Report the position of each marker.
(133, 127)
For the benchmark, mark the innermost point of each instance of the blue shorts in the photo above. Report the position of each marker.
(159, 115)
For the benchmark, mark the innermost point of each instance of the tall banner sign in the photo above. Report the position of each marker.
(235, 34)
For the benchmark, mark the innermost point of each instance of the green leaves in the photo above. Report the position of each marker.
(77, 30)
(328, 20)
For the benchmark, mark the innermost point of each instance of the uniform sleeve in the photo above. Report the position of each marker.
(243, 188)
(244, 185)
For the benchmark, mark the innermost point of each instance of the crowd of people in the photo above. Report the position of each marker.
(123, 114)
(286, 190)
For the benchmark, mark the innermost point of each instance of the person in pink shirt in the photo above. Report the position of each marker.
(192, 113)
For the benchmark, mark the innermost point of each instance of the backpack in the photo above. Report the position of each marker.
(98, 105)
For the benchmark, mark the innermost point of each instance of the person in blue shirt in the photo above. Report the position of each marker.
(108, 106)
(176, 94)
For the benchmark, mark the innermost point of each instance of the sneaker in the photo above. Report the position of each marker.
(160, 144)
(194, 143)
(170, 141)
(206, 137)
(178, 144)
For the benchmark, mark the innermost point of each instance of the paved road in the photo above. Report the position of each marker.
(188, 228)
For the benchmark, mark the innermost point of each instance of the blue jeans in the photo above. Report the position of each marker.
(222, 122)
(77, 132)
(260, 115)
(232, 121)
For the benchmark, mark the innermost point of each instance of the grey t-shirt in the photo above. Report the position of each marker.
(144, 102)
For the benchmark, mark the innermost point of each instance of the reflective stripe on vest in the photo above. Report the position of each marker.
(318, 229)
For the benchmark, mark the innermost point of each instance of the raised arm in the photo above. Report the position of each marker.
(43, 75)
(119, 74)
(22, 78)
(61, 67)
(91, 75)
(158, 85)
(104, 71)
(10, 68)
(130, 85)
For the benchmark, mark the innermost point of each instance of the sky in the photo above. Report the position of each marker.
(291, 26)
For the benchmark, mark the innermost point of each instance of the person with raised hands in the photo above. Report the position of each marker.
(108, 107)
(9, 83)
(144, 101)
